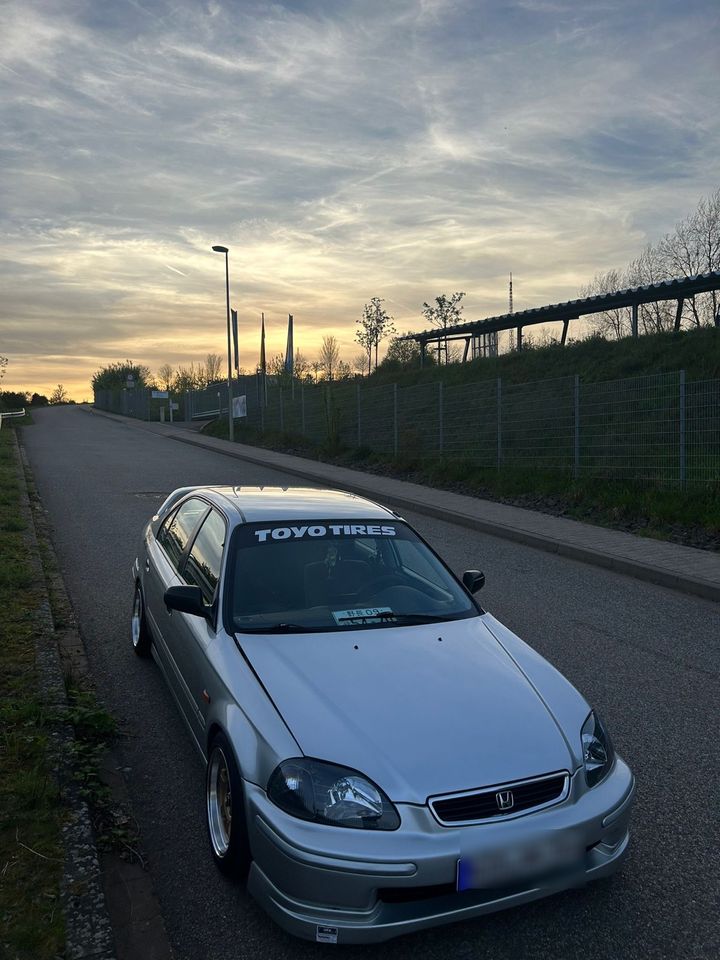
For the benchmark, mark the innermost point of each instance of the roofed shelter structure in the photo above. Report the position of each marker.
(475, 333)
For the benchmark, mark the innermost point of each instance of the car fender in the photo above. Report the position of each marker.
(258, 746)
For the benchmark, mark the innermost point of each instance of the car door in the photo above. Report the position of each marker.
(193, 635)
(165, 558)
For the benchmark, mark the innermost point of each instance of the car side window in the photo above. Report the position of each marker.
(202, 566)
(177, 529)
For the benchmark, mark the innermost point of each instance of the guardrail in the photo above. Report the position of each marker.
(9, 414)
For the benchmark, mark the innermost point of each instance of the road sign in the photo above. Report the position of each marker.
(159, 394)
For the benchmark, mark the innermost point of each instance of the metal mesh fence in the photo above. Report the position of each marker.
(702, 431)
(653, 428)
(631, 428)
(537, 424)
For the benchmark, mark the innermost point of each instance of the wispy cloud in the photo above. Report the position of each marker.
(341, 151)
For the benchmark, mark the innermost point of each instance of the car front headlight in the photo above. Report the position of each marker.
(597, 750)
(327, 793)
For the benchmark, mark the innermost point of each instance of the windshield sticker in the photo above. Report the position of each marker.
(345, 618)
(324, 530)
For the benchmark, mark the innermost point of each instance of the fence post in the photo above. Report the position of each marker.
(395, 423)
(282, 417)
(440, 416)
(576, 456)
(358, 413)
(683, 466)
(302, 407)
(499, 422)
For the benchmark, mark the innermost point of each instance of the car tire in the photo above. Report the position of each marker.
(225, 810)
(139, 630)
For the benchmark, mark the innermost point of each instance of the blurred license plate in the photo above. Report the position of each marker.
(522, 861)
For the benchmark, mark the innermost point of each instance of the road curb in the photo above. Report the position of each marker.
(700, 587)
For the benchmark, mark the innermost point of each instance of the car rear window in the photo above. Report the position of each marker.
(175, 533)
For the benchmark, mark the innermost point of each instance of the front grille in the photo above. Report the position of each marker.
(483, 804)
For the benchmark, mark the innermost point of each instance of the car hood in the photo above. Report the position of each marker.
(421, 710)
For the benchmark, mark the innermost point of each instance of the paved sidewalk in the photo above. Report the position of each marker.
(657, 561)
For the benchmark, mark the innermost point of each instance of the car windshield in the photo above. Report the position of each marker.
(336, 575)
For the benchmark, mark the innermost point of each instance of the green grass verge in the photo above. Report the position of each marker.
(697, 352)
(690, 515)
(31, 853)
(31, 806)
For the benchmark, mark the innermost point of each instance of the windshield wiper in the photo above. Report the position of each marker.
(414, 617)
(274, 628)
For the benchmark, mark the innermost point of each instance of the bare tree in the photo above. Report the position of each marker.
(213, 368)
(276, 365)
(694, 248)
(614, 324)
(360, 363)
(3, 366)
(329, 357)
(165, 375)
(650, 267)
(316, 368)
(445, 313)
(301, 366)
(59, 395)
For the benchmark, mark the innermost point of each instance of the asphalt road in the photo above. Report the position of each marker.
(648, 658)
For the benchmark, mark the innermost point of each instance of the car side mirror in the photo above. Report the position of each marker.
(187, 600)
(473, 580)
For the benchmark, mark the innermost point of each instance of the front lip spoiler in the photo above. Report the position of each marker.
(380, 868)
(384, 921)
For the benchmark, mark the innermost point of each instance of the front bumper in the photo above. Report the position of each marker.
(350, 886)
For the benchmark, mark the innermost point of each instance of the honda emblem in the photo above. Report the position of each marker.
(504, 800)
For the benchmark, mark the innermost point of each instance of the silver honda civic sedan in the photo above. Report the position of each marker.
(381, 754)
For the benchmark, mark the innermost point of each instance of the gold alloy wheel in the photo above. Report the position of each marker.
(136, 621)
(219, 802)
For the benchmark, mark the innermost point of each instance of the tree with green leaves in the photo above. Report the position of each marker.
(115, 376)
(12, 400)
(445, 313)
(375, 325)
(402, 355)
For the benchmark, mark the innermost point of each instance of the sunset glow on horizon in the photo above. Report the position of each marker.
(341, 152)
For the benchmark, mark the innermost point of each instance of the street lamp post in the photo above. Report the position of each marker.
(219, 249)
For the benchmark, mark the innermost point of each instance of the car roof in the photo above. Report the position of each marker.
(258, 504)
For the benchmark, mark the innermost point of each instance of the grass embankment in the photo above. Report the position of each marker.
(697, 352)
(31, 853)
(690, 516)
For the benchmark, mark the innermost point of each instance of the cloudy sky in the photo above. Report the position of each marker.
(342, 150)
